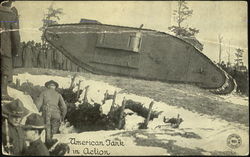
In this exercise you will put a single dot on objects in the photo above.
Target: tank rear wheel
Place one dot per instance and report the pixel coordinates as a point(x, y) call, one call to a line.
point(230, 85)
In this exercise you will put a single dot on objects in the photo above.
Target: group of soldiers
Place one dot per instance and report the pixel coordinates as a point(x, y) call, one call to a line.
point(37, 55)
point(15, 136)
point(18, 139)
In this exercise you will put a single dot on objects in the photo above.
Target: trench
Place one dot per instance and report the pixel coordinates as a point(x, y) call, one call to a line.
point(85, 116)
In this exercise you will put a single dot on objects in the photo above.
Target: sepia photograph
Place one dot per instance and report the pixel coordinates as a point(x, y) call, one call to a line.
point(124, 78)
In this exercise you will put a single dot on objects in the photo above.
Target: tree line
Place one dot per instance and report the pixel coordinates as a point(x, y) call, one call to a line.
point(240, 75)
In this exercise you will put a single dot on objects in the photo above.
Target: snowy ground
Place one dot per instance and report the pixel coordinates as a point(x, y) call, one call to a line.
point(199, 134)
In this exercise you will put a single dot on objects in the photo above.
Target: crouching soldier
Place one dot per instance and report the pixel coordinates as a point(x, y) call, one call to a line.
point(51, 103)
point(12, 133)
point(33, 127)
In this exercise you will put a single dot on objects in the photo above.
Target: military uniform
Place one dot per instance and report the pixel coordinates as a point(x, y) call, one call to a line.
point(74, 67)
point(9, 44)
point(58, 60)
point(28, 56)
point(49, 57)
point(15, 133)
point(36, 147)
point(35, 55)
point(56, 104)
point(68, 63)
point(64, 65)
point(41, 58)
point(18, 60)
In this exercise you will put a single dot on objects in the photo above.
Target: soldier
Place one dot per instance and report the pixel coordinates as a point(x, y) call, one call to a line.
point(12, 134)
point(18, 63)
point(58, 60)
point(50, 55)
point(64, 64)
point(42, 57)
point(74, 67)
point(27, 55)
point(9, 44)
point(68, 63)
point(35, 55)
point(57, 107)
point(33, 127)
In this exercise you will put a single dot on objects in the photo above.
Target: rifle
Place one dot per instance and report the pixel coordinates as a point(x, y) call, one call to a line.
point(8, 146)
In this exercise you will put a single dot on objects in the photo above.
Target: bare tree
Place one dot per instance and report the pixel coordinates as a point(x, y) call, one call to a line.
point(220, 37)
point(51, 17)
point(182, 13)
point(239, 56)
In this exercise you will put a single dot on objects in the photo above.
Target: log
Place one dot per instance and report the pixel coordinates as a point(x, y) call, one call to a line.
point(121, 113)
point(78, 89)
point(113, 102)
point(72, 82)
point(85, 100)
point(149, 114)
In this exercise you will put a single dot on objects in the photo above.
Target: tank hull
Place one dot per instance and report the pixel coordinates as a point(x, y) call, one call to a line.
point(136, 53)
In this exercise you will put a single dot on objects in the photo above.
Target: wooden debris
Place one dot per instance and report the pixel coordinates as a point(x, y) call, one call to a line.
point(85, 99)
point(78, 89)
point(121, 113)
point(149, 113)
point(113, 102)
point(72, 82)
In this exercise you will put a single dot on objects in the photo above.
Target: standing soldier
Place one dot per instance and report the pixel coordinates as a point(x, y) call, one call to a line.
point(50, 57)
point(27, 55)
point(9, 44)
point(12, 134)
point(54, 101)
point(64, 65)
point(18, 61)
point(68, 63)
point(35, 55)
point(58, 60)
point(41, 57)
point(33, 127)
point(18, 58)
point(74, 67)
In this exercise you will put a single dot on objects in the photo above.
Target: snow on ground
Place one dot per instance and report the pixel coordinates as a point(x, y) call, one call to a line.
point(213, 131)
point(99, 140)
point(236, 99)
point(132, 121)
point(28, 104)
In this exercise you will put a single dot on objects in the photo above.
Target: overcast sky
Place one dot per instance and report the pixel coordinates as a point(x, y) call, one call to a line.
point(228, 18)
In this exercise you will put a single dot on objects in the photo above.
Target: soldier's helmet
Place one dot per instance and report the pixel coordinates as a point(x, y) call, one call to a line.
point(34, 121)
point(51, 82)
point(15, 108)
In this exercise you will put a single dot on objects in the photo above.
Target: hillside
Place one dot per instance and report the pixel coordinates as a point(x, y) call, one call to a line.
point(208, 119)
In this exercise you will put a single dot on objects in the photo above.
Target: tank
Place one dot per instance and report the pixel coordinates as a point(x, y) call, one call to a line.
point(137, 53)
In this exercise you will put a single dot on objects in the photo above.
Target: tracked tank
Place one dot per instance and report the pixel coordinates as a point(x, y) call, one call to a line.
point(137, 53)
